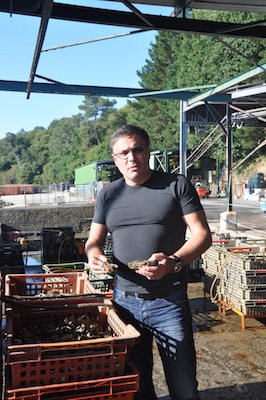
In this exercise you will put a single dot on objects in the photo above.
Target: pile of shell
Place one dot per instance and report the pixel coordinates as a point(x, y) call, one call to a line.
point(64, 329)
point(52, 293)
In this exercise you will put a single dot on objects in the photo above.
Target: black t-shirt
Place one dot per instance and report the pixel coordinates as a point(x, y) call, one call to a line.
point(143, 220)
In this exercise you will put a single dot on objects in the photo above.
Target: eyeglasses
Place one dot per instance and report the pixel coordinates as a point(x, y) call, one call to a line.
point(135, 150)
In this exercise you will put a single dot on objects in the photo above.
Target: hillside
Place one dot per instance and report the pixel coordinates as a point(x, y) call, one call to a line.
point(240, 178)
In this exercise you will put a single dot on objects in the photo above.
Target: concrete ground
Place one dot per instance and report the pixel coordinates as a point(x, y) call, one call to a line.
point(231, 361)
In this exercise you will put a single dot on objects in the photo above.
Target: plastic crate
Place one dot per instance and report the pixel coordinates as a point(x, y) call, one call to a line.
point(246, 307)
point(14, 269)
point(11, 254)
point(41, 287)
point(101, 282)
point(60, 362)
point(245, 279)
point(227, 288)
point(80, 246)
point(112, 388)
point(64, 267)
point(195, 265)
point(58, 244)
point(247, 262)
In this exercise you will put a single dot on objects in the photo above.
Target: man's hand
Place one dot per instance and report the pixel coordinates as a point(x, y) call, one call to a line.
point(163, 266)
point(97, 263)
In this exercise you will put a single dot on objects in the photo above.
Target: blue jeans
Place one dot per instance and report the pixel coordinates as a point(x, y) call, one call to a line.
point(169, 321)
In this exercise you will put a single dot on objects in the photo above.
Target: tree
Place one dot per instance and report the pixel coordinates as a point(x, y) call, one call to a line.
point(186, 61)
point(175, 61)
point(95, 107)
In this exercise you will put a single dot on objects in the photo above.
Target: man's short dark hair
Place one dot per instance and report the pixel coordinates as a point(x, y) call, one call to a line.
point(129, 130)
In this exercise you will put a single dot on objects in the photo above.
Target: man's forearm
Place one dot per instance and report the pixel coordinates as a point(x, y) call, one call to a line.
point(93, 248)
point(194, 247)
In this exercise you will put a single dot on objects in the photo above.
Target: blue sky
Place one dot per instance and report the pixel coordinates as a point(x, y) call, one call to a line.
point(112, 62)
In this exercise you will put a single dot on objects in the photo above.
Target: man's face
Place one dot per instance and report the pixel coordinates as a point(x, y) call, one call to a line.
point(131, 156)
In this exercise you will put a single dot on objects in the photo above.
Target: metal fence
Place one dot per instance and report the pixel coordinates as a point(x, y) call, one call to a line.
point(54, 194)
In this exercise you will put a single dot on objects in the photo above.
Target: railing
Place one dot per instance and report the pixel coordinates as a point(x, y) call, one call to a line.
point(54, 194)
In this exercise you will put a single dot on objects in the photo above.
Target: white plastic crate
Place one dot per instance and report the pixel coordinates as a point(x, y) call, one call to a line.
point(244, 279)
point(252, 307)
point(195, 265)
point(108, 247)
point(248, 262)
point(226, 288)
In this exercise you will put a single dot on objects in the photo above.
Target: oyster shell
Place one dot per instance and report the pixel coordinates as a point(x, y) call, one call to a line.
point(110, 267)
point(137, 264)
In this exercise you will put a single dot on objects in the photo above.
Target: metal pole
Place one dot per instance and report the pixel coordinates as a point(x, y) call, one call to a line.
point(183, 139)
point(25, 196)
point(217, 175)
point(228, 219)
point(229, 155)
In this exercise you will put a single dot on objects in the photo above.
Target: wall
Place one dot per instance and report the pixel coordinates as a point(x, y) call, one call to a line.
point(35, 218)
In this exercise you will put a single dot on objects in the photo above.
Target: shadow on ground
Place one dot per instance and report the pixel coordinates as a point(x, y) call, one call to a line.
point(247, 391)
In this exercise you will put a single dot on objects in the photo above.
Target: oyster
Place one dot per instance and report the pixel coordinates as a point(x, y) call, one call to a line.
point(110, 267)
point(137, 264)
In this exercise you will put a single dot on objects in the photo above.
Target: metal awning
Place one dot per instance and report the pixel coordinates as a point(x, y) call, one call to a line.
point(133, 18)
point(178, 22)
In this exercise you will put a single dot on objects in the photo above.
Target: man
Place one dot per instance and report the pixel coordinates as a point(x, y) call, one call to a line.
point(147, 213)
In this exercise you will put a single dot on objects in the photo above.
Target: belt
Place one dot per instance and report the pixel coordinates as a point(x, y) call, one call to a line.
point(144, 296)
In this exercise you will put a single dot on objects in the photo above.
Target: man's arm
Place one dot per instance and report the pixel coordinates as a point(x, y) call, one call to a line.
point(200, 238)
point(199, 241)
point(94, 247)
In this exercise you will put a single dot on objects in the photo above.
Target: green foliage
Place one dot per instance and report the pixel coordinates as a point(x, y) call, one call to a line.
point(175, 61)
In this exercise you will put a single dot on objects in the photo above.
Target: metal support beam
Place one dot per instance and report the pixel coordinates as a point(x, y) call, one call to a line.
point(92, 15)
point(62, 88)
point(229, 158)
point(213, 113)
point(137, 13)
point(250, 154)
point(183, 140)
point(228, 219)
point(184, 94)
point(79, 90)
point(46, 12)
point(228, 84)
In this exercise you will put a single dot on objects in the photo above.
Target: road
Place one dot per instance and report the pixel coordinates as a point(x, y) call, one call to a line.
point(251, 220)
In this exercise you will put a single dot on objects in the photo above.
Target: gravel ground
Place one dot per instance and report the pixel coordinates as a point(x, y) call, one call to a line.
point(231, 360)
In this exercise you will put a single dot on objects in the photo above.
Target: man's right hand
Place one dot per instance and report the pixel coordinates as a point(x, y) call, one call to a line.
point(96, 263)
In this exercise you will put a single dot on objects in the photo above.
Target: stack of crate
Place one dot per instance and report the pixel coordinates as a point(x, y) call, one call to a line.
point(244, 283)
point(212, 262)
point(11, 259)
point(238, 268)
point(95, 369)
point(80, 246)
point(108, 247)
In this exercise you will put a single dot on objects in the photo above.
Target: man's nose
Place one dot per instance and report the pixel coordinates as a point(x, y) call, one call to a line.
point(131, 154)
